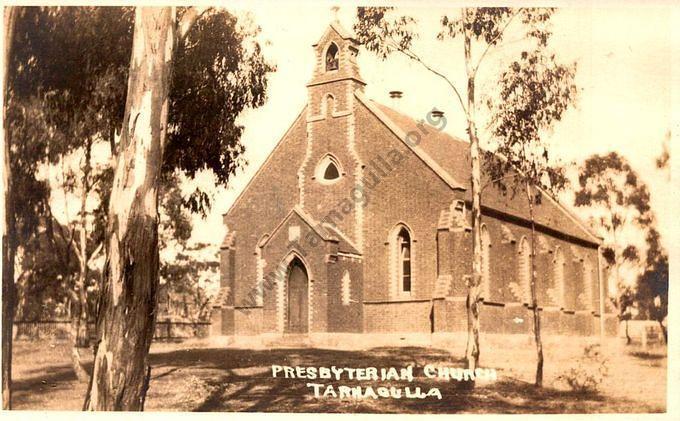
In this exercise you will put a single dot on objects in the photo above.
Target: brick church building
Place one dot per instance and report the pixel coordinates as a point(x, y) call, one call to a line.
point(357, 225)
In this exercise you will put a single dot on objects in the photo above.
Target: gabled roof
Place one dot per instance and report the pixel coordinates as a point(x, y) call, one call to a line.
point(266, 161)
point(449, 157)
point(401, 131)
point(339, 29)
point(325, 231)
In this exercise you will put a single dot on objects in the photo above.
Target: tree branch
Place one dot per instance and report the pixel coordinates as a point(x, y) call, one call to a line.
point(69, 240)
point(413, 56)
point(96, 252)
point(487, 184)
point(498, 35)
point(188, 20)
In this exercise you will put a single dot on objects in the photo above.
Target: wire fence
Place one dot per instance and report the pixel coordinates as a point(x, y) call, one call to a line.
point(166, 330)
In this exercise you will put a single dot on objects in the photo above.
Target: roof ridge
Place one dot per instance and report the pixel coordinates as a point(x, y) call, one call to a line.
point(399, 132)
point(336, 26)
point(340, 233)
point(266, 160)
point(563, 208)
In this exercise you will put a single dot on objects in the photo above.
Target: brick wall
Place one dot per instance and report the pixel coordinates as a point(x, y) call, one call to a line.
point(261, 208)
point(397, 317)
point(248, 321)
point(313, 251)
point(399, 187)
point(512, 314)
point(345, 316)
point(408, 192)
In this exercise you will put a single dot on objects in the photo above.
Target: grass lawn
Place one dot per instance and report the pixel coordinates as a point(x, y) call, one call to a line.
point(193, 377)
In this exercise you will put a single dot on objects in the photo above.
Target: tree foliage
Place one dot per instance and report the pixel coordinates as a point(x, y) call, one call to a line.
point(617, 198)
point(28, 131)
point(619, 204)
point(74, 61)
point(219, 72)
point(533, 93)
point(383, 34)
point(67, 91)
point(652, 285)
point(186, 274)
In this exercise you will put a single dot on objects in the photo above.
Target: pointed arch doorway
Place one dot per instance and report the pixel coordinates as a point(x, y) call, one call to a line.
point(297, 302)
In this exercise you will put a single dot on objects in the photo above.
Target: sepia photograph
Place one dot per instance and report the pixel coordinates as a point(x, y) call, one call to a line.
point(402, 207)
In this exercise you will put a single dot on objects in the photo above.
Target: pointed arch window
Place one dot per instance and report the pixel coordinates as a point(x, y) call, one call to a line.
point(331, 172)
point(332, 57)
point(328, 170)
point(558, 279)
point(404, 254)
point(401, 261)
point(524, 269)
point(588, 296)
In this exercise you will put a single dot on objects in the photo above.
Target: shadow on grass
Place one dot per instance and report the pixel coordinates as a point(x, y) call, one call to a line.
point(258, 391)
point(240, 380)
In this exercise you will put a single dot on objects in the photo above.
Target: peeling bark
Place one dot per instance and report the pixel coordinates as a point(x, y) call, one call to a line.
point(474, 284)
point(127, 302)
point(534, 301)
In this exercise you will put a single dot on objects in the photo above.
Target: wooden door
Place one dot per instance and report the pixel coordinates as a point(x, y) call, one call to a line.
point(297, 298)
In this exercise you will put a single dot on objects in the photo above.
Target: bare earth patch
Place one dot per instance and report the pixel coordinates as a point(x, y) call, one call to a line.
point(188, 377)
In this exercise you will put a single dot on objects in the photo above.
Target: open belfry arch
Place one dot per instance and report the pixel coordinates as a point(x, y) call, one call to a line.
point(349, 232)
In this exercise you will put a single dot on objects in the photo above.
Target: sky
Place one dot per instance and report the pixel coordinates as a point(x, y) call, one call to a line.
point(624, 78)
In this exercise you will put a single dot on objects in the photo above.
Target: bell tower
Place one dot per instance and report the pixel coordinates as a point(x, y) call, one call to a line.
point(332, 167)
point(336, 70)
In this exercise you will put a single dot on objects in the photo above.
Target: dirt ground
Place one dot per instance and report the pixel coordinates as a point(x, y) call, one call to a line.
point(194, 377)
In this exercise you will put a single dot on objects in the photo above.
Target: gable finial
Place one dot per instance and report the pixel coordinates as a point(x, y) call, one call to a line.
point(335, 10)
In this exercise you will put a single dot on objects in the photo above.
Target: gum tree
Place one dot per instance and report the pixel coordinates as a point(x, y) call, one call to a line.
point(618, 203)
point(480, 31)
point(534, 93)
point(152, 113)
point(166, 42)
point(652, 286)
point(8, 233)
point(63, 100)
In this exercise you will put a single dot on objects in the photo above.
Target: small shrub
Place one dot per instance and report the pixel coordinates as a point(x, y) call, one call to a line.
point(587, 372)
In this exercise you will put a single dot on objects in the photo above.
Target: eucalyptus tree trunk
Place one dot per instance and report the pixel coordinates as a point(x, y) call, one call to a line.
point(79, 318)
point(474, 285)
point(617, 274)
point(534, 300)
point(8, 237)
point(127, 302)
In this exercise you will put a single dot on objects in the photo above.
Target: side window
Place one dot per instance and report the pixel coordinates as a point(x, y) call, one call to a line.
point(588, 301)
point(558, 279)
point(401, 261)
point(524, 269)
point(404, 249)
